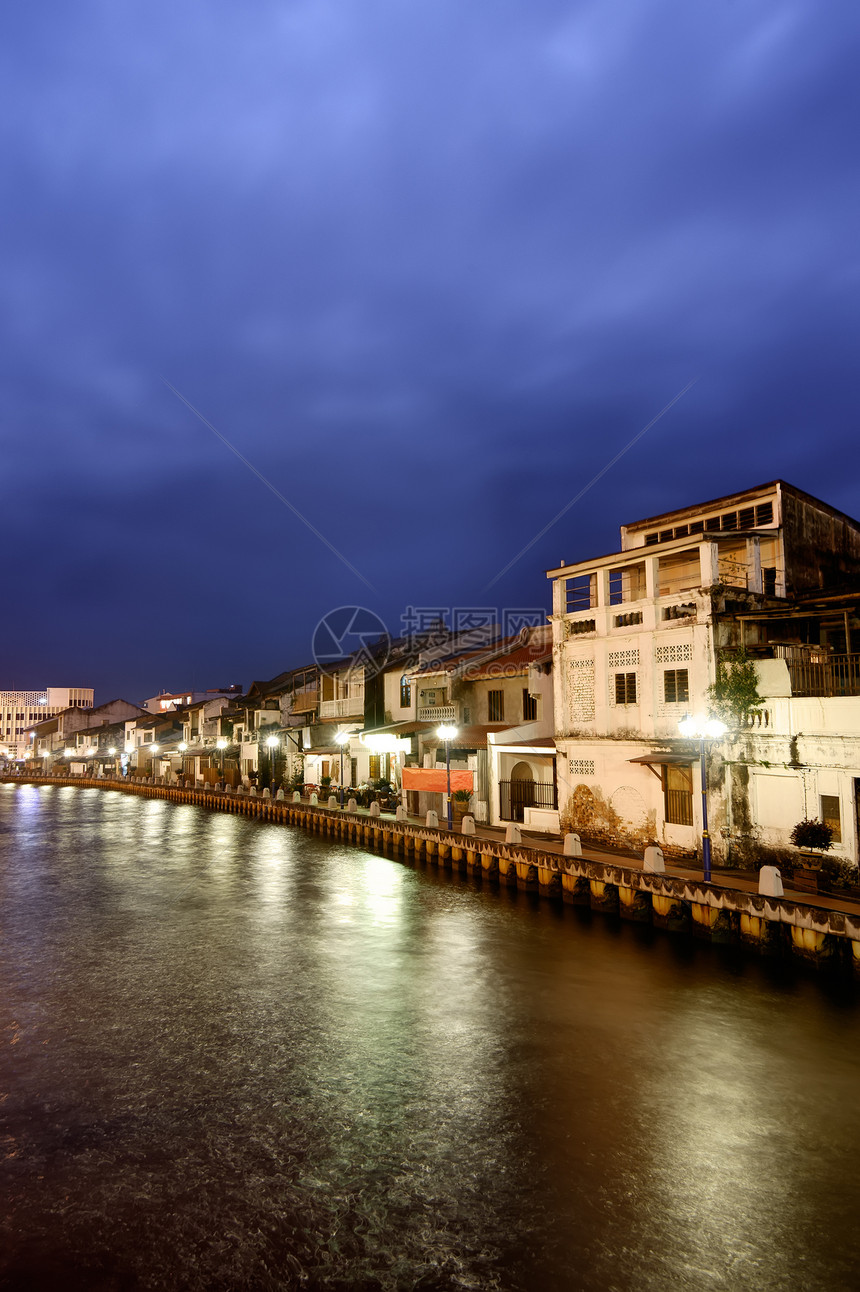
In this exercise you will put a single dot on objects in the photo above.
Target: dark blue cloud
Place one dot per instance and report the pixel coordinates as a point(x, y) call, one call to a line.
point(429, 266)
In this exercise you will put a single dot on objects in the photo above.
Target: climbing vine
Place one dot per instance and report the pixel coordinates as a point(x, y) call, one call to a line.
point(735, 697)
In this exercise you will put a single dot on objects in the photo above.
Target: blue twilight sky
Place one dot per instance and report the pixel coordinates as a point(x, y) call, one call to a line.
point(428, 265)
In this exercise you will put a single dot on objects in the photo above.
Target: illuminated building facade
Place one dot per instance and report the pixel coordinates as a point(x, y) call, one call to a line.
point(21, 710)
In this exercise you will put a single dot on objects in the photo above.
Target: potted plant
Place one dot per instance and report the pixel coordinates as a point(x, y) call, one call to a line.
point(812, 837)
point(461, 799)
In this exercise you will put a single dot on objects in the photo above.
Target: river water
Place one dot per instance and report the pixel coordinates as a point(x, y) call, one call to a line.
point(238, 1057)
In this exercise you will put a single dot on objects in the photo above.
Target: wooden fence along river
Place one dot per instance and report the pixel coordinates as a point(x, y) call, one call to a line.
point(774, 925)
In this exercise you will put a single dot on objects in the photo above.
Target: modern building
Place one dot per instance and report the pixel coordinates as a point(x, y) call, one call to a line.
point(21, 710)
point(638, 636)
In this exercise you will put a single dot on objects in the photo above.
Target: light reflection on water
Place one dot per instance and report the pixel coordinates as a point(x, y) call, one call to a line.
point(235, 1056)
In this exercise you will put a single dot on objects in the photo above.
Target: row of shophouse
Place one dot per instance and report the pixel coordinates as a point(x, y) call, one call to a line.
point(574, 724)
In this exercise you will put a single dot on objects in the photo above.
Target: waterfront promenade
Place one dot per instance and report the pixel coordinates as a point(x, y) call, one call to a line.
point(820, 928)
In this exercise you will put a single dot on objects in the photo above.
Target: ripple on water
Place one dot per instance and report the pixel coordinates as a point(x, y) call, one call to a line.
point(239, 1057)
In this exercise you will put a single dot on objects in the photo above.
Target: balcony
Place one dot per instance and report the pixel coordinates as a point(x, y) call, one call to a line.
point(817, 674)
point(438, 713)
point(304, 701)
point(350, 707)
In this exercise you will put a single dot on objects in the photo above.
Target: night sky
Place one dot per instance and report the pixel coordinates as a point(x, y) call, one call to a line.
point(428, 265)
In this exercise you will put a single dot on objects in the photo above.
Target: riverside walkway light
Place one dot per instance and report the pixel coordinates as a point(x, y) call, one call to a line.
point(272, 743)
point(702, 729)
point(342, 738)
point(448, 733)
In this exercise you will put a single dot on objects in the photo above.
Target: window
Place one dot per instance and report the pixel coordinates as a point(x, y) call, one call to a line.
point(530, 706)
point(676, 685)
point(678, 794)
point(625, 688)
point(830, 815)
point(405, 693)
point(496, 706)
point(579, 592)
point(373, 767)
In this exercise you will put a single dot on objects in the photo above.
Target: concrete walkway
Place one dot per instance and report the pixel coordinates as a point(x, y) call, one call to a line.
point(733, 880)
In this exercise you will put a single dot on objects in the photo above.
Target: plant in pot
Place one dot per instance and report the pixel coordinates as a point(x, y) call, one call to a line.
point(461, 799)
point(812, 837)
point(325, 782)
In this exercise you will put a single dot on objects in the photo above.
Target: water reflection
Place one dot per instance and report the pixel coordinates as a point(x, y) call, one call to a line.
point(236, 1056)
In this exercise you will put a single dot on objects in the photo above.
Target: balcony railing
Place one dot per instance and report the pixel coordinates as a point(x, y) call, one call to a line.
point(817, 674)
point(516, 796)
point(305, 701)
point(350, 707)
point(438, 713)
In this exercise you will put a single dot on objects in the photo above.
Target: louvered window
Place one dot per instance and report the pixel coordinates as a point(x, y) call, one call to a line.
point(676, 685)
point(625, 688)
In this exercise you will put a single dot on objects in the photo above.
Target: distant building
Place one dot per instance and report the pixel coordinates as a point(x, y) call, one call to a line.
point(21, 710)
point(166, 701)
point(81, 731)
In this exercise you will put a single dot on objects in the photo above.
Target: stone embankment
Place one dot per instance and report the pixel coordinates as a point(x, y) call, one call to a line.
point(773, 925)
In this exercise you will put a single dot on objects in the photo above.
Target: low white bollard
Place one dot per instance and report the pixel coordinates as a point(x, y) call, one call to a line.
point(653, 861)
point(374, 808)
point(280, 796)
point(572, 845)
point(253, 791)
point(400, 814)
point(297, 798)
point(513, 834)
point(467, 825)
point(315, 798)
point(352, 805)
point(432, 819)
point(770, 882)
point(267, 793)
point(332, 800)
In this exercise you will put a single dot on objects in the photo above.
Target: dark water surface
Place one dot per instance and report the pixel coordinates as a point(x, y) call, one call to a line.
point(234, 1056)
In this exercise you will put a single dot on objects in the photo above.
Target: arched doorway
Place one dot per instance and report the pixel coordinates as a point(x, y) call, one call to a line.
point(521, 789)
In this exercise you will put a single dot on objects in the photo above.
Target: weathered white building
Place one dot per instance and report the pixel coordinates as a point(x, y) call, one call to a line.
point(637, 635)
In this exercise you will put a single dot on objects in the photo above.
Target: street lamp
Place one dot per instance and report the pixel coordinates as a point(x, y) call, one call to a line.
point(702, 729)
point(272, 744)
point(342, 737)
point(448, 733)
point(222, 745)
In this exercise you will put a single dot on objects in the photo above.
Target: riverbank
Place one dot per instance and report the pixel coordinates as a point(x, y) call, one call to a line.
point(819, 928)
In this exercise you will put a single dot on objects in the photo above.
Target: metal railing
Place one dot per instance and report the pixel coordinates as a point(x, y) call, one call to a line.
point(678, 807)
point(516, 796)
point(816, 674)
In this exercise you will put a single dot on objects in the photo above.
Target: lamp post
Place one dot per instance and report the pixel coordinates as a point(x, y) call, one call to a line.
point(342, 738)
point(272, 744)
point(222, 745)
point(703, 728)
point(448, 733)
